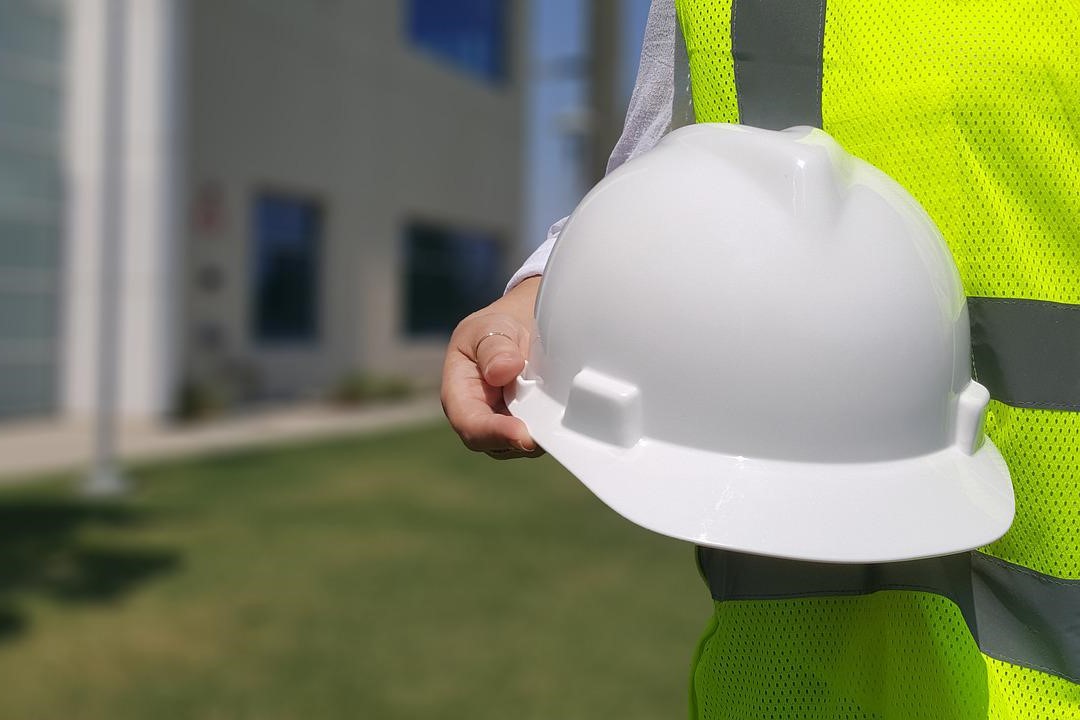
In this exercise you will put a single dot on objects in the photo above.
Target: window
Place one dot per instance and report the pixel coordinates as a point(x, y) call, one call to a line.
point(285, 269)
point(32, 203)
point(449, 274)
point(470, 34)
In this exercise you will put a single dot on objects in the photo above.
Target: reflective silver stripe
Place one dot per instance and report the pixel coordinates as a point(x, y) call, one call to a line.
point(777, 48)
point(740, 576)
point(1027, 618)
point(1027, 352)
point(1014, 613)
point(682, 100)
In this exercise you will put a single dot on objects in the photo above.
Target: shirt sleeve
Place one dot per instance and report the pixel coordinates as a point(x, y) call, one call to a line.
point(648, 116)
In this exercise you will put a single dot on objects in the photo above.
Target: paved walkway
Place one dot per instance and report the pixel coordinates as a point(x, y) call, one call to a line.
point(34, 449)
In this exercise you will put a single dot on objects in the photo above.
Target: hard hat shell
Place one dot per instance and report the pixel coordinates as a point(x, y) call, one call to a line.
point(752, 340)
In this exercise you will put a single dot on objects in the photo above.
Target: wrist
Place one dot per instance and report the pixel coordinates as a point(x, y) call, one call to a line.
point(519, 301)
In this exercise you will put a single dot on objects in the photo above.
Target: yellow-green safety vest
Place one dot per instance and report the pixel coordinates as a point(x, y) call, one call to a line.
point(975, 108)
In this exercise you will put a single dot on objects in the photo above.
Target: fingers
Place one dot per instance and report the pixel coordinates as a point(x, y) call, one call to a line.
point(486, 354)
point(486, 430)
point(483, 428)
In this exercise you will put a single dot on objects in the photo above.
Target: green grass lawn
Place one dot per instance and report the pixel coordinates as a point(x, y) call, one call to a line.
point(385, 577)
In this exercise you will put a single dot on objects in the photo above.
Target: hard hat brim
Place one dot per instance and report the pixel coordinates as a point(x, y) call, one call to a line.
point(926, 506)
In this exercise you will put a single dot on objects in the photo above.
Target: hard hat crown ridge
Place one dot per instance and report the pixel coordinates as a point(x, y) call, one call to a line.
point(749, 323)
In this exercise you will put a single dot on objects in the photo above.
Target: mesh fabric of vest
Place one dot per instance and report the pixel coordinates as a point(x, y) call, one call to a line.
point(975, 109)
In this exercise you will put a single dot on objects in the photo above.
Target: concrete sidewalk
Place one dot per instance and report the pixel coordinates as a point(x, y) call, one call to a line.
point(30, 450)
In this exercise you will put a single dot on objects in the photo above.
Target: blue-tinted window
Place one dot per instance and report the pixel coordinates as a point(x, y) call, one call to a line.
point(286, 269)
point(32, 203)
point(449, 274)
point(468, 33)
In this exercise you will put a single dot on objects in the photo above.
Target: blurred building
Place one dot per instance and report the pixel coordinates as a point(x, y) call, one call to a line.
point(31, 205)
point(295, 191)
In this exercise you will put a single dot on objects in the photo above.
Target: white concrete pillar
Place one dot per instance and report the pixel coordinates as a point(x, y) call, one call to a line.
point(84, 113)
point(151, 110)
point(153, 207)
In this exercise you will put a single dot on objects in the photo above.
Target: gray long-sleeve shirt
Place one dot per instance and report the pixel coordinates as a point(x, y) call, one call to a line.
point(657, 105)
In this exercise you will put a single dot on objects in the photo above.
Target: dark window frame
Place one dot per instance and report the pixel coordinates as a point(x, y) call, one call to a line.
point(312, 334)
point(459, 302)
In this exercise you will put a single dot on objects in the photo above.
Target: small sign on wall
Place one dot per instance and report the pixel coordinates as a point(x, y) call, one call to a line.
point(208, 211)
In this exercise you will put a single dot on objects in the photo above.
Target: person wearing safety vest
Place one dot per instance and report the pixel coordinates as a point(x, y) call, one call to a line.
point(974, 108)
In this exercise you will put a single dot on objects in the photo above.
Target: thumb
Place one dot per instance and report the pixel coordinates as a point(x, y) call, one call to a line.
point(500, 350)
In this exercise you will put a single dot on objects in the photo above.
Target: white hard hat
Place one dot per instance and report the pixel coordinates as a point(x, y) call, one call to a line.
point(752, 340)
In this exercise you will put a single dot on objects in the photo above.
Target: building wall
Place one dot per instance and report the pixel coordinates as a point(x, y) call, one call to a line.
point(328, 100)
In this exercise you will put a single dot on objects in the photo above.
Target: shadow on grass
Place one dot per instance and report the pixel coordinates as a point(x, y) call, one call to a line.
point(44, 551)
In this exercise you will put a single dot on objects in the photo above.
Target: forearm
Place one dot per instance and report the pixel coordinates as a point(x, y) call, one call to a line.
point(518, 302)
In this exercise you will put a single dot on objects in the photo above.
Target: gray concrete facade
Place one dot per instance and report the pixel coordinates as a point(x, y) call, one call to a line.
point(330, 101)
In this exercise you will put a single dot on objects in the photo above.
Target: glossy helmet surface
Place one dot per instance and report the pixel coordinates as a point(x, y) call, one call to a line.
point(753, 340)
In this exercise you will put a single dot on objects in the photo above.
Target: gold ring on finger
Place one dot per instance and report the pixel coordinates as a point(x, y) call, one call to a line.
point(493, 333)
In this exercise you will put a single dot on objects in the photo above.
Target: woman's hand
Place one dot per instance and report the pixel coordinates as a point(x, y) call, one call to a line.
point(487, 352)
